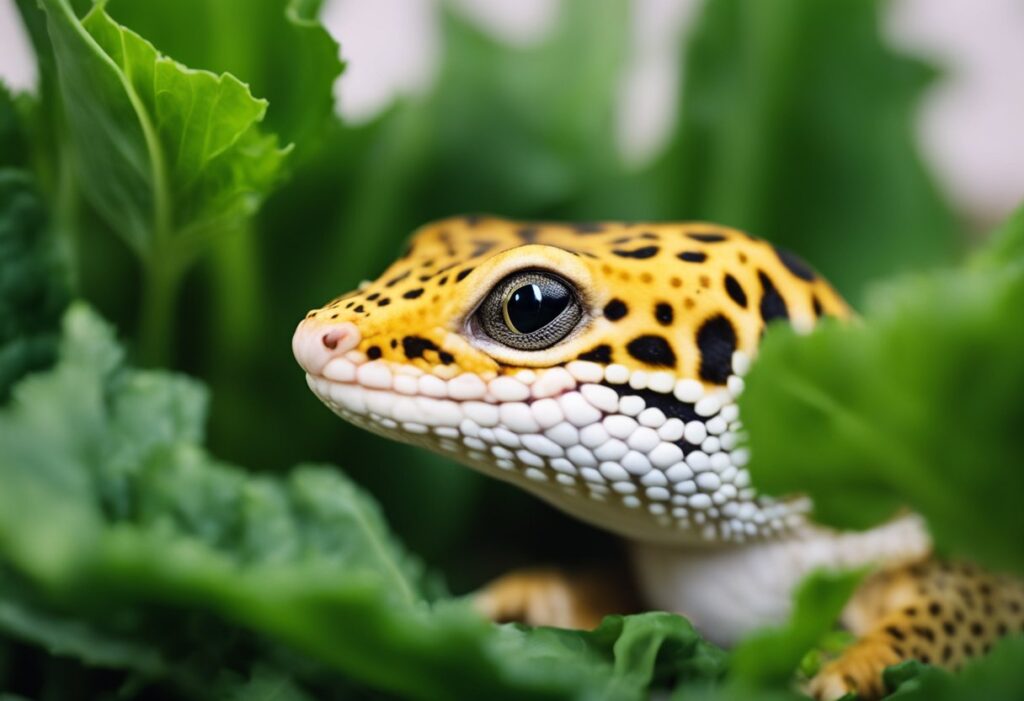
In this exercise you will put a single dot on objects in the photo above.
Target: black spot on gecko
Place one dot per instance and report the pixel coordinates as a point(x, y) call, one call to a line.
point(371, 297)
point(373, 352)
point(663, 313)
point(667, 403)
point(735, 290)
point(598, 354)
point(895, 632)
point(641, 253)
point(445, 357)
point(383, 302)
point(397, 279)
point(816, 304)
point(359, 309)
point(653, 350)
point(707, 238)
point(716, 340)
point(795, 264)
point(413, 294)
point(414, 346)
point(925, 632)
point(692, 256)
point(772, 305)
point(462, 274)
point(615, 310)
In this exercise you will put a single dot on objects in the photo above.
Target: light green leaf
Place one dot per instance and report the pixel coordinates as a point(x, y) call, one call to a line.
point(284, 54)
point(769, 658)
point(918, 406)
point(167, 155)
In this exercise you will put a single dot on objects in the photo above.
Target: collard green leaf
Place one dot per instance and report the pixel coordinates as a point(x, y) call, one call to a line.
point(25, 616)
point(919, 406)
point(112, 507)
point(167, 154)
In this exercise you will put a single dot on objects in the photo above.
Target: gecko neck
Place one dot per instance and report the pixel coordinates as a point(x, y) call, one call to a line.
point(727, 591)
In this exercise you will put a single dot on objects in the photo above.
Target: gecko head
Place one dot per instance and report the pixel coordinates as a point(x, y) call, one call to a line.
point(596, 365)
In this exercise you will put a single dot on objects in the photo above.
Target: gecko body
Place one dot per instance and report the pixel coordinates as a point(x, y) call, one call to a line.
point(598, 366)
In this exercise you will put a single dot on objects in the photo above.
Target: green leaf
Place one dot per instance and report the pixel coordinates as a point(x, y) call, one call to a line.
point(13, 146)
point(769, 658)
point(284, 54)
point(25, 616)
point(919, 406)
point(167, 155)
point(33, 292)
point(997, 675)
point(112, 510)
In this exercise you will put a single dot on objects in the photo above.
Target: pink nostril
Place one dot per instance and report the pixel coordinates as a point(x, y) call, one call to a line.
point(339, 338)
point(331, 338)
point(315, 344)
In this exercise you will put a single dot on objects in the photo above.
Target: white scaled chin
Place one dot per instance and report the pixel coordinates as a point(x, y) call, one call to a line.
point(646, 455)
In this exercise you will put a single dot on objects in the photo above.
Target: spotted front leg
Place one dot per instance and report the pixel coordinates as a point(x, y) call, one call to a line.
point(939, 613)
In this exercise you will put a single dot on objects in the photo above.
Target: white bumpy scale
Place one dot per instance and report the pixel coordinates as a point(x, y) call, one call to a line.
point(675, 469)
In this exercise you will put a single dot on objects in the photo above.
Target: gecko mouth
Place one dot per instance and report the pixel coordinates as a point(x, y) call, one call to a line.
point(643, 454)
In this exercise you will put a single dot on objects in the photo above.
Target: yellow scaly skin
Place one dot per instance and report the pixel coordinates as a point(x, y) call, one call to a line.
point(622, 412)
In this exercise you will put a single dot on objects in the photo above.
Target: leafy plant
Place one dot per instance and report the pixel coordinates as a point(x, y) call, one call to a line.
point(166, 155)
point(134, 563)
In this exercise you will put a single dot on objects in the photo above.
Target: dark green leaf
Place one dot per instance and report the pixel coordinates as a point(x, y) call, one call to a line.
point(33, 290)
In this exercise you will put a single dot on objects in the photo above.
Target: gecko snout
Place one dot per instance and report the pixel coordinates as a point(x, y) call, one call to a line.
point(315, 344)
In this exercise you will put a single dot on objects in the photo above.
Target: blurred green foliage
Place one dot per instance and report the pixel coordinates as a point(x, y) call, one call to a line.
point(31, 278)
point(133, 563)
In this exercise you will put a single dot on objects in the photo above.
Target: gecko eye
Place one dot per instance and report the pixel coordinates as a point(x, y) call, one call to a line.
point(530, 310)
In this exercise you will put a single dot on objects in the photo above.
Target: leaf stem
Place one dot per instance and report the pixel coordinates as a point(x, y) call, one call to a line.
point(161, 279)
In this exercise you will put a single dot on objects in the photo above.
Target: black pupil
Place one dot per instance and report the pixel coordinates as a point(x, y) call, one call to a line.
point(530, 308)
